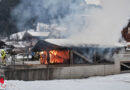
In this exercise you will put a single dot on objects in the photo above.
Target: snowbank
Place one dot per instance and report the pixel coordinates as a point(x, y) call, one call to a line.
point(113, 82)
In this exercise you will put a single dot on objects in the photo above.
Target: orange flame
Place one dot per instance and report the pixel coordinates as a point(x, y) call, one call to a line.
point(56, 56)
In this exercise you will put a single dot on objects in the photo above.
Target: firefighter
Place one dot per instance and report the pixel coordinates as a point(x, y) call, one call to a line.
point(43, 57)
point(3, 56)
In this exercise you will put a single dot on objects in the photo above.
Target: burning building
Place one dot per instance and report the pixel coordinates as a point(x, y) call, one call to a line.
point(50, 53)
point(55, 54)
point(69, 62)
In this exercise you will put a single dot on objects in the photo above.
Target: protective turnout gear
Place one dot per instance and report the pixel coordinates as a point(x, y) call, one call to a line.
point(43, 57)
point(3, 56)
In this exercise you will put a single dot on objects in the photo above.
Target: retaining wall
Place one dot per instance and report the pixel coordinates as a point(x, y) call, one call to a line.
point(58, 72)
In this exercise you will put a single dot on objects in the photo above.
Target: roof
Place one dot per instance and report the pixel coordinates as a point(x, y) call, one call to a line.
point(28, 34)
point(51, 44)
point(80, 43)
point(42, 45)
point(2, 44)
point(38, 34)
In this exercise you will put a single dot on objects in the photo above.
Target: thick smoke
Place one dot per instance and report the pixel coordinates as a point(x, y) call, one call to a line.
point(66, 13)
point(84, 21)
point(105, 24)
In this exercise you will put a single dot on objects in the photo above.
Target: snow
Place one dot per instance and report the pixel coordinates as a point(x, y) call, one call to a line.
point(113, 82)
point(18, 56)
point(32, 32)
point(18, 35)
point(16, 44)
point(38, 34)
point(72, 42)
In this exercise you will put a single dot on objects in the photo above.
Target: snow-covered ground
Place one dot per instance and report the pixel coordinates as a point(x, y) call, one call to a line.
point(113, 82)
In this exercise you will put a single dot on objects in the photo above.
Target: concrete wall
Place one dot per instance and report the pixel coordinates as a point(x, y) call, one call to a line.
point(75, 72)
point(39, 74)
point(68, 72)
point(124, 57)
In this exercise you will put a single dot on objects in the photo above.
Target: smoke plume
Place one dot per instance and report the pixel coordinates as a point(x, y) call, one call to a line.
point(61, 12)
point(85, 21)
point(106, 23)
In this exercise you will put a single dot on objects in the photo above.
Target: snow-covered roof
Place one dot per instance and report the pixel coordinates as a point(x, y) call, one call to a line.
point(70, 42)
point(18, 44)
point(43, 34)
point(20, 35)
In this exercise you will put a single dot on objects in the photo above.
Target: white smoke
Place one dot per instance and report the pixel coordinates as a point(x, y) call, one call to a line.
point(105, 24)
point(96, 2)
point(88, 22)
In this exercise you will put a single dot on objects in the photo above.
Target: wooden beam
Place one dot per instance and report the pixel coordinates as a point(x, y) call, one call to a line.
point(125, 65)
point(71, 57)
point(80, 55)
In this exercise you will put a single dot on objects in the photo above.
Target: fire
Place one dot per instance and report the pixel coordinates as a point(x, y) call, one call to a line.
point(56, 56)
